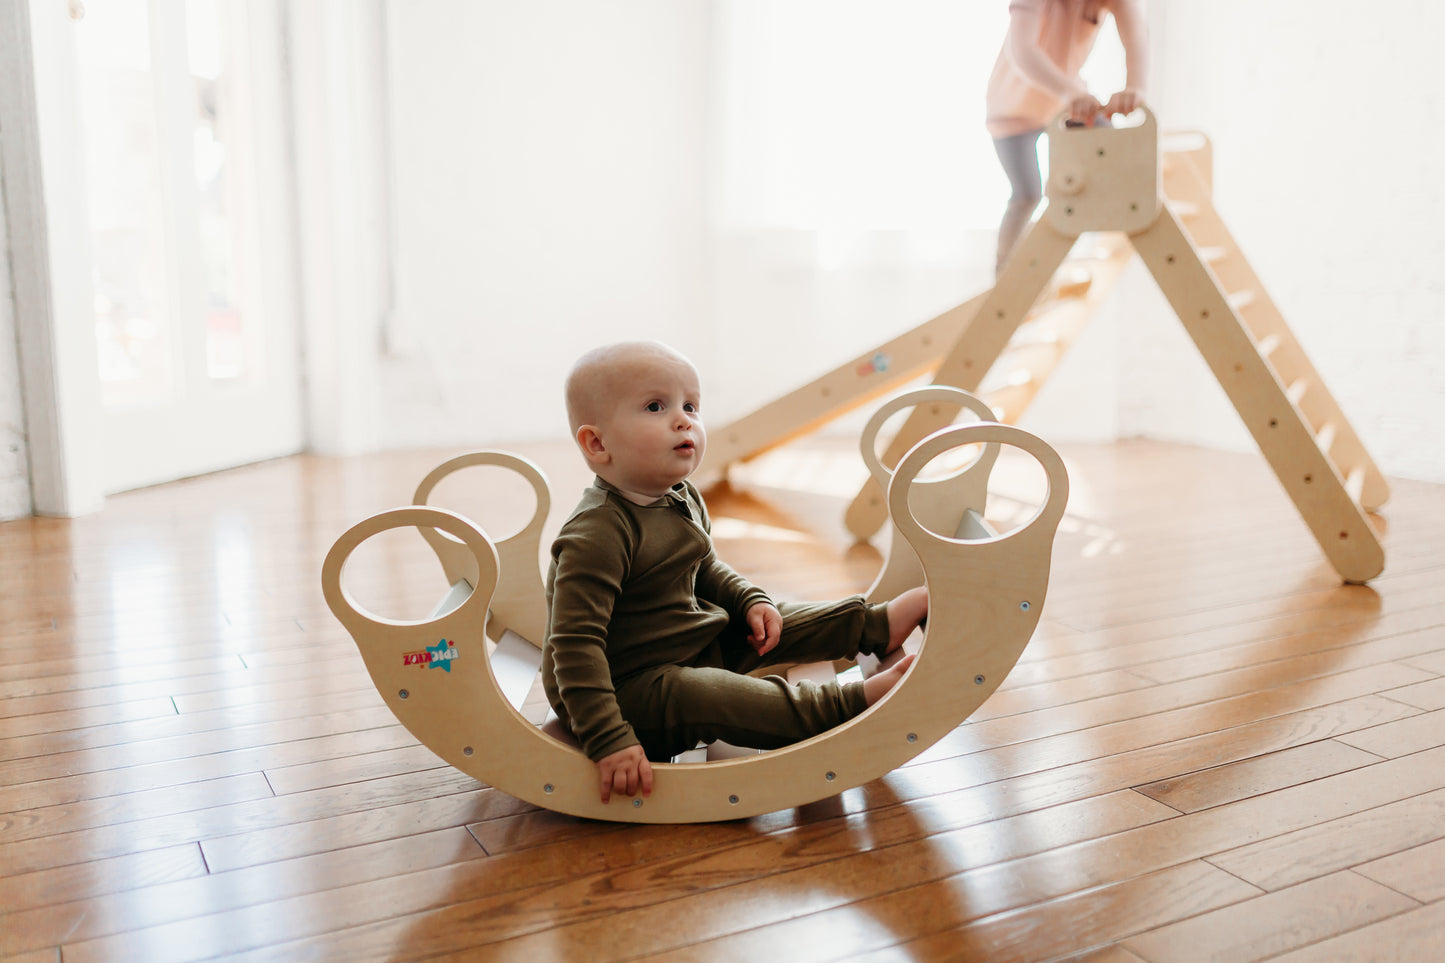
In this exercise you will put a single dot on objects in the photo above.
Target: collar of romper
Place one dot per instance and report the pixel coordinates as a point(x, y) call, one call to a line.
point(676, 496)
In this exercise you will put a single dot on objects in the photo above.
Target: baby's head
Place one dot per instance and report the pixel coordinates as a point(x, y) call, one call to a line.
point(634, 409)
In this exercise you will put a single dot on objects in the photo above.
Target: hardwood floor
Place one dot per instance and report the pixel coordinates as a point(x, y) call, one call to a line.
point(1211, 750)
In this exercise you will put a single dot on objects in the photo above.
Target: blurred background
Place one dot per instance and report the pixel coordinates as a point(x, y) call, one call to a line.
point(238, 229)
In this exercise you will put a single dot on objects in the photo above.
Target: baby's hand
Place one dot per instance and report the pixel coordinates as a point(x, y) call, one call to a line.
point(766, 624)
point(625, 771)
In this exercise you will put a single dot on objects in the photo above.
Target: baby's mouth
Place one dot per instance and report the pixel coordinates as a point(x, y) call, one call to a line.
point(685, 446)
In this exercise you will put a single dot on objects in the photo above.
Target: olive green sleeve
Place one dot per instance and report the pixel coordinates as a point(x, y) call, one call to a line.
point(592, 555)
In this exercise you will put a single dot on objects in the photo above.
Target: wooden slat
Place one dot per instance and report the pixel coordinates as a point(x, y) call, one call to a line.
point(1340, 843)
point(1429, 694)
point(1343, 644)
point(293, 837)
point(1275, 923)
point(1055, 737)
point(1057, 926)
point(1418, 934)
point(100, 877)
point(102, 839)
point(1418, 872)
point(1414, 734)
point(111, 812)
point(1258, 774)
point(173, 761)
point(153, 902)
point(32, 719)
point(140, 732)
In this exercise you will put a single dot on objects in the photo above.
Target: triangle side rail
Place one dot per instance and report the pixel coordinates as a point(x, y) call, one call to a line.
point(1038, 255)
point(1276, 339)
point(1287, 441)
point(1054, 325)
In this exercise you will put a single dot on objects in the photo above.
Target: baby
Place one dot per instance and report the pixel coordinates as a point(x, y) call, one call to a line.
point(650, 636)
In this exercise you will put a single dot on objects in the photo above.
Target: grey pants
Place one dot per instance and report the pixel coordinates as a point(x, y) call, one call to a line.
point(1019, 156)
point(672, 708)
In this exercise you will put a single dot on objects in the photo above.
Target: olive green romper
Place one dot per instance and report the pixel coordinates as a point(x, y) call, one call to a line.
point(647, 640)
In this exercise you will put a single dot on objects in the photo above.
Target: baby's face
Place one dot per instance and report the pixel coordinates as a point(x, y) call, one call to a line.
point(654, 432)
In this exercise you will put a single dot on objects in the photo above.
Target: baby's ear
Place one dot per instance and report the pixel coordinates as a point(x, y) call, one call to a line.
point(591, 444)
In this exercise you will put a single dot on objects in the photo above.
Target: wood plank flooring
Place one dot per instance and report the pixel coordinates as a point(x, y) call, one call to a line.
point(1211, 750)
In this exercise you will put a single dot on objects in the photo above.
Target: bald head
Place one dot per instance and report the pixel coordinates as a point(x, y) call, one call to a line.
point(598, 378)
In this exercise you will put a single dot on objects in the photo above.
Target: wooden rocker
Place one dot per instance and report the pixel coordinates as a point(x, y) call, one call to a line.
point(436, 676)
point(953, 503)
point(517, 613)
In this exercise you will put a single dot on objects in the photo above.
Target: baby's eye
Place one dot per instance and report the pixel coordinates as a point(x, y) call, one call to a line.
point(654, 406)
point(690, 408)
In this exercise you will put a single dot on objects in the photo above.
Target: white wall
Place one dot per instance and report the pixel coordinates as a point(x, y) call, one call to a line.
point(1326, 124)
point(548, 162)
point(853, 191)
point(14, 466)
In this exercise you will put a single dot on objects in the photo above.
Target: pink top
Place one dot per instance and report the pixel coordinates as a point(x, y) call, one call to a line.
point(1018, 104)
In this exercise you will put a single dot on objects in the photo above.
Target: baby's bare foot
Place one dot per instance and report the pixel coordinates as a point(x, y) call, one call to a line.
point(876, 687)
point(905, 613)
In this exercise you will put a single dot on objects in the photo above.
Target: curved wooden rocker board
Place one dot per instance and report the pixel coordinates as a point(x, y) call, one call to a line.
point(519, 602)
point(986, 595)
point(953, 503)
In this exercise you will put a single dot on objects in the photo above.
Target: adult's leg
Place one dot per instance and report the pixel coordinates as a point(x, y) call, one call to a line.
point(1019, 156)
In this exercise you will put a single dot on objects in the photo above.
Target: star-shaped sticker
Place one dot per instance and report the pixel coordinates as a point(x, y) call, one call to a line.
point(441, 656)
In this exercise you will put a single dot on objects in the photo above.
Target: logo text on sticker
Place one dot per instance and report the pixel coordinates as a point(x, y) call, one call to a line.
point(437, 656)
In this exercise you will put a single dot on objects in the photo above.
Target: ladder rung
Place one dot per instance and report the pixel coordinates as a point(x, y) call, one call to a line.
point(1297, 389)
point(1326, 437)
point(1016, 378)
point(1355, 484)
point(1240, 299)
point(1042, 339)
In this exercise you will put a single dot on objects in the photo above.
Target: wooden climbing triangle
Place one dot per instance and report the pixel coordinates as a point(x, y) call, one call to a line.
point(1112, 193)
